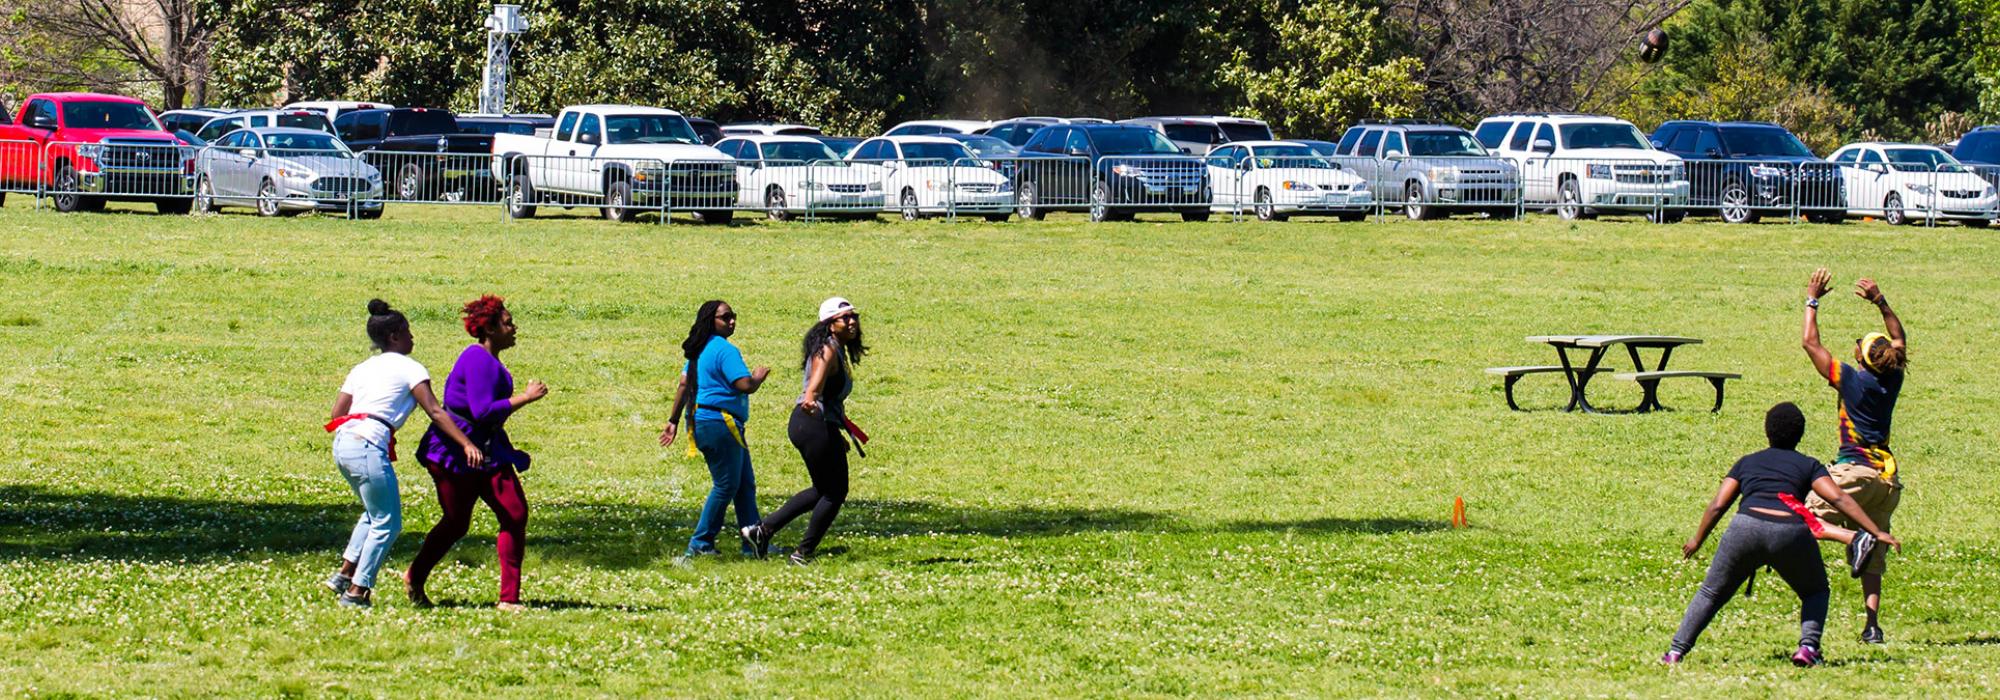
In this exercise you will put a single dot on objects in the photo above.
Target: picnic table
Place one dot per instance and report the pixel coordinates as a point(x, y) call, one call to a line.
point(1578, 375)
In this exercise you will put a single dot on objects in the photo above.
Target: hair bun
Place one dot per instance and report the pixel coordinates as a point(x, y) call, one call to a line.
point(377, 307)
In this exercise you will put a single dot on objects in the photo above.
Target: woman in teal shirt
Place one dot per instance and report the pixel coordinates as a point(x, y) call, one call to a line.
point(720, 384)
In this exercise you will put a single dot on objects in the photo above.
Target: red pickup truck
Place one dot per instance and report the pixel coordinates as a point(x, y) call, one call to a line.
point(84, 149)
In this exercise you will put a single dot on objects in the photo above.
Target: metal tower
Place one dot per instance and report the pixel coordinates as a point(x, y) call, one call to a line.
point(501, 26)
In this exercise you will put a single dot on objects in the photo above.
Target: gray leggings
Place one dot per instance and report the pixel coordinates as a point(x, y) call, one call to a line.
point(1750, 543)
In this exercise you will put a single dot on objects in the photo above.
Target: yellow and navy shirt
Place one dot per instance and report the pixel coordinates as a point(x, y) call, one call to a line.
point(1867, 402)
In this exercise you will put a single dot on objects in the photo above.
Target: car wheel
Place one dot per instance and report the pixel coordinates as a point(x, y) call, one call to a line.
point(1100, 202)
point(908, 203)
point(1266, 211)
point(1892, 210)
point(1736, 204)
point(521, 198)
point(774, 204)
point(1025, 203)
point(267, 199)
point(1413, 203)
point(617, 201)
point(410, 183)
point(67, 198)
point(1569, 198)
point(204, 196)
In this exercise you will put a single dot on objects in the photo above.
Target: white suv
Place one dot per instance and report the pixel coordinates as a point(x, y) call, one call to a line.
point(1585, 164)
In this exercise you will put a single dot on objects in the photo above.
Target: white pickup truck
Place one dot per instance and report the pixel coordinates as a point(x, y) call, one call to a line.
point(621, 158)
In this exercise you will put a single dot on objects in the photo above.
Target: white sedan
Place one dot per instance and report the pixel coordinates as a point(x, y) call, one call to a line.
point(928, 175)
point(1900, 182)
point(1278, 179)
point(789, 175)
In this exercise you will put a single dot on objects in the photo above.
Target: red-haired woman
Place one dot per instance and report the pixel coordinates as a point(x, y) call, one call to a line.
point(479, 396)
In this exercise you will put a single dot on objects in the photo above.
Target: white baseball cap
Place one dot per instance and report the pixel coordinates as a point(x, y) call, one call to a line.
point(834, 306)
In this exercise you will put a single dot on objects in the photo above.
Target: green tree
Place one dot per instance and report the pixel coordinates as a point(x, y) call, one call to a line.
point(1324, 70)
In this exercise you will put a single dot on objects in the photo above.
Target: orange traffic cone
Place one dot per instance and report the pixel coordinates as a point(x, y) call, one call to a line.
point(1458, 513)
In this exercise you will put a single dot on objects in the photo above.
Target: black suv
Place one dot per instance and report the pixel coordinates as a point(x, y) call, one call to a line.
point(1111, 170)
point(1743, 170)
point(1980, 149)
point(425, 150)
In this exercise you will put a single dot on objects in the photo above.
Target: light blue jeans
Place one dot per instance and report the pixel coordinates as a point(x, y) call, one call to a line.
point(373, 478)
point(735, 482)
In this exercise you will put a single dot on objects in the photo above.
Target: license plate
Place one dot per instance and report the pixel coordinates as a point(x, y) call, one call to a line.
point(1336, 198)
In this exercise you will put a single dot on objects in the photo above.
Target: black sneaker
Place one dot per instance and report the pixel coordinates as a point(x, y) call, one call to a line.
point(756, 539)
point(1858, 551)
point(1872, 634)
point(800, 558)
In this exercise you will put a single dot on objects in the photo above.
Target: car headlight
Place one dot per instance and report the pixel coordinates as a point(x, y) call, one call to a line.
point(374, 178)
point(1004, 187)
point(1297, 186)
point(1766, 171)
point(1598, 171)
point(1922, 189)
point(816, 186)
point(1680, 171)
point(1447, 175)
point(874, 187)
point(1127, 170)
point(90, 150)
point(1986, 191)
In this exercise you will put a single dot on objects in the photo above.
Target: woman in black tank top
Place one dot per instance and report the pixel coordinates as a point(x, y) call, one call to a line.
point(819, 429)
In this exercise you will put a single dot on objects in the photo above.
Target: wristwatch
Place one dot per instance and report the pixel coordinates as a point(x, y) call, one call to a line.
point(1812, 303)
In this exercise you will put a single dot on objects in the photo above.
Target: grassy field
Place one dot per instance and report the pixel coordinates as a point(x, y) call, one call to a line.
point(1121, 460)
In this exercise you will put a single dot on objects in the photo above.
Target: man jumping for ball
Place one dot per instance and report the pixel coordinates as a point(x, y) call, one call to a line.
point(1865, 469)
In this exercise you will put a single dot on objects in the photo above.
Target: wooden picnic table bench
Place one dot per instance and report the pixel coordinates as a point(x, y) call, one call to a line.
point(1579, 375)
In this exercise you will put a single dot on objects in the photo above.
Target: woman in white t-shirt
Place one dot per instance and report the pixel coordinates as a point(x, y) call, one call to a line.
point(377, 397)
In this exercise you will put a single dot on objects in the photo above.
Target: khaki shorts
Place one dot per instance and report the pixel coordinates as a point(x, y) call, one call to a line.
point(1876, 496)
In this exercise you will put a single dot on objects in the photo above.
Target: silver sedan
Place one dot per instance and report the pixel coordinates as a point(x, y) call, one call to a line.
point(283, 171)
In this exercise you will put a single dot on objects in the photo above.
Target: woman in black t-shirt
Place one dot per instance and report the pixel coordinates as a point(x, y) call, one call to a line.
point(1765, 532)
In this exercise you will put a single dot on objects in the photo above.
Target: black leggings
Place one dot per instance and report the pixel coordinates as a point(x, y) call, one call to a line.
point(825, 453)
point(1749, 543)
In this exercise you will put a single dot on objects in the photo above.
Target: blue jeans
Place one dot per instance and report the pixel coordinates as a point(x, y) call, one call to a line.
point(735, 482)
point(373, 478)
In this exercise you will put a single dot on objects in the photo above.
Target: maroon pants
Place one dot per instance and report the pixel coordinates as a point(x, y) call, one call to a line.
point(457, 495)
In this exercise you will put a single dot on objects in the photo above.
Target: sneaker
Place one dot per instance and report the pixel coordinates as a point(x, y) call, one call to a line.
point(1858, 552)
point(411, 591)
point(757, 540)
point(338, 582)
point(800, 558)
point(1671, 658)
point(1806, 657)
point(349, 600)
point(1872, 634)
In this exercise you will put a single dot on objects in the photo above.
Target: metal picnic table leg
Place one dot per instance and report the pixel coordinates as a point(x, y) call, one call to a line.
point(1579, 381)
point(1650, 400)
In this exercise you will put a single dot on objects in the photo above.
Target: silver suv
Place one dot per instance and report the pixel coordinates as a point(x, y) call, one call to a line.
point(1195, 135)
point(1432, 169)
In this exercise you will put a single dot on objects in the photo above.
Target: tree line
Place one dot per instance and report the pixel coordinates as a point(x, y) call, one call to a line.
point(1830, 69)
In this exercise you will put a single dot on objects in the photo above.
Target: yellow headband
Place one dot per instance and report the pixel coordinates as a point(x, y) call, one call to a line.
point(1868, 341)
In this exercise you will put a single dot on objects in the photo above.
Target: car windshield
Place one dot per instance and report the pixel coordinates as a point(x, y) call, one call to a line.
point(473, 126)
point(1444, 143)
point(1919, 160)
point(1198, 133)
point(797, 151)
point(320, 144)
point(1125, 142)
point(1246, 132)
point(309, 120)
point(947, 152)
point(1291, 157)
point(842, 147)
point(1323, 148)
point(987, 146)
point(1764, 141)
point(1982, 146)
point(1602, 135)
point(418, 122)
point(648, 128)
point(108, 115)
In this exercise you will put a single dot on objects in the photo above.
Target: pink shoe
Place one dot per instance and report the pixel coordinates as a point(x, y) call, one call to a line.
point(1807, 657)
point(1672, 658)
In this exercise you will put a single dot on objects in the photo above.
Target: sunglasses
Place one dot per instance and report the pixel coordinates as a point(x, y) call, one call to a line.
point(731, 316)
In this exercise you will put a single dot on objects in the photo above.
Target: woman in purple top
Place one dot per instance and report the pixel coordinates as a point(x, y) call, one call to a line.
point(479, 397)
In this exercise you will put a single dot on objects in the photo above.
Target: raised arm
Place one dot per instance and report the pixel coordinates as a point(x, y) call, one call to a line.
point(1724, 495)
point(1821, 359)
point(1844, 503)
point(1866, 289)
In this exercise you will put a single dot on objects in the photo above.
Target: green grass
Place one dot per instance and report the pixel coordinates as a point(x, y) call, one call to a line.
point(1152, 459)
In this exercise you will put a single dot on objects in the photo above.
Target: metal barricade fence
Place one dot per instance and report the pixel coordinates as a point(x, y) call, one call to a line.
point(1040, 185)
point(82, 176)
point(434, 177)
point(1744, 191)
point(1583, 188)
point(618, 189)
point(978, 187)
point(282, 181)
point(21, 169)
point(707, 189)
point(1904, 193)
point(1276, 188)
point(1429, 187)
point(1123, 186)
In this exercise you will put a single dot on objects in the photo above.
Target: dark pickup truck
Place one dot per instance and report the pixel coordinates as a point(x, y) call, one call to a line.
point(423, 152)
